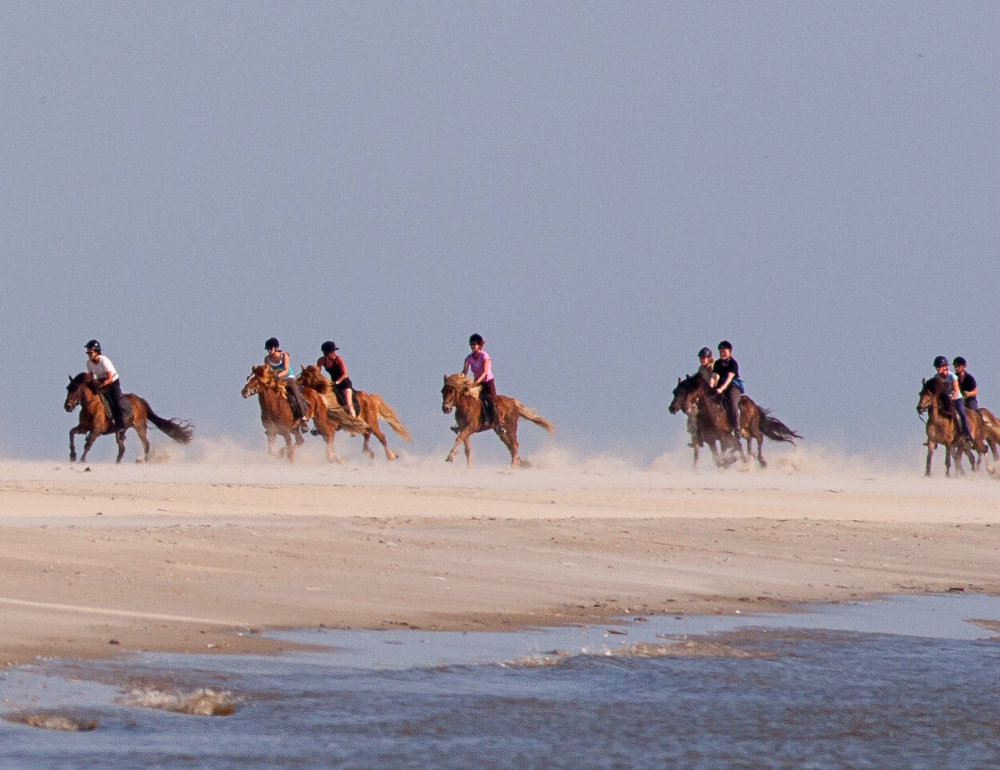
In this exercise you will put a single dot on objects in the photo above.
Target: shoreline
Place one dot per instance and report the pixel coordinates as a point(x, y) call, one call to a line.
point(156, 561)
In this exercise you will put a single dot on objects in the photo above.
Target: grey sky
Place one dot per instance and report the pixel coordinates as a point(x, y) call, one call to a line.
point(598, 188)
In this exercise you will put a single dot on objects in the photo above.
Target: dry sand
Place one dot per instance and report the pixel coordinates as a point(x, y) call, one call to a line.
point(183, 555)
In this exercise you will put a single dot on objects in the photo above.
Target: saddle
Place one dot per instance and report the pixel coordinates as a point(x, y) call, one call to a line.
point(127, 416)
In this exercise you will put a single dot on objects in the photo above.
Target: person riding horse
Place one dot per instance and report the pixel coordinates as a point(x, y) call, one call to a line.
point(727, 383)
point(966, 383)
point(952, 395)
point(106, 376)
point(337, 370)
point(277, 361)
point(479, 363)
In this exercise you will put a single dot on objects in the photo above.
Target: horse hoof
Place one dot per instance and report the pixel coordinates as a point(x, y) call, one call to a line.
point(390, 455)
point(449, 459)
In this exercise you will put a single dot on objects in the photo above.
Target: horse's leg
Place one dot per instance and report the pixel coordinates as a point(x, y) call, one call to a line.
point(463, 435)
point(376, 429)
point(509, 438)
point(141, 431)
point(289, 446)
point(331, 455)
point(87, 444)
point(120, 440)
point(365, 448)
point(468, 452)
point(72, 448)
point(760, 450)
point(930, 456)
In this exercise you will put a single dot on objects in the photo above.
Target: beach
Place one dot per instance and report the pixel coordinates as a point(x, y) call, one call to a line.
point(202, 557)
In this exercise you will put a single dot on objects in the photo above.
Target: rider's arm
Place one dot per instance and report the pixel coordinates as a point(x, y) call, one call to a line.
point(956, 393)
point(286, 367)
point(487, 370)
point(729, 378)
point(343, 368)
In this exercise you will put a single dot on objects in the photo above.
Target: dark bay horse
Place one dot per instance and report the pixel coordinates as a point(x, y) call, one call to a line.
point(82, 391)
point(371, 406)
point(462, 395)
point(942, 429)
point(710, 423)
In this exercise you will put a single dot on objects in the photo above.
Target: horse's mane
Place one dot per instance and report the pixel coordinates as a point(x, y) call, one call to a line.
point(83, 378)
point(312, 377)
point(463, 384)
point(266, 377)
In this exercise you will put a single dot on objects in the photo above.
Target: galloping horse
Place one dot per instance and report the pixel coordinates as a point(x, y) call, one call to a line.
point(82, 391)
point(941, 429)
point(371, 406)
point(711, 423)
point(276, 413)
point(462, 394)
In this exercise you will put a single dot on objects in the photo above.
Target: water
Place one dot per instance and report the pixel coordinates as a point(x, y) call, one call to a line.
point(905, 683)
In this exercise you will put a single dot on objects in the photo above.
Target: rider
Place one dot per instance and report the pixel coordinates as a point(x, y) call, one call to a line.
point(967, 384)
point(953, 394)
point(104, 372)
point(337, 370)
point(726, 372)
point(277, 361)
point(705, 359)
point(478, 361)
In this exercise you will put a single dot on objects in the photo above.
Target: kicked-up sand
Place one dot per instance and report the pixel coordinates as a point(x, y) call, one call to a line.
point(202, 556)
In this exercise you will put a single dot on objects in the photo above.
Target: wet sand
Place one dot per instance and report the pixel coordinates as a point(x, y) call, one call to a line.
point(200, 558)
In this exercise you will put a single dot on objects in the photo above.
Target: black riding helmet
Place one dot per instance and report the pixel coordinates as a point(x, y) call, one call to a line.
point(93, 345)
point(704, 353)
point(328, 347)
point(940, 361)
point(959, 361)
point(725, 345)
point(272, 343)
point(477, 339)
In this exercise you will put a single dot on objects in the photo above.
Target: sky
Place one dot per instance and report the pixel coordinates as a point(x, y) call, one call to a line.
point(599, 189)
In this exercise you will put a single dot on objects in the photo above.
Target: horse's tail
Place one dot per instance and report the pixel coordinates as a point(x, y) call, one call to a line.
point(386, 413)
point(180, 431)
point(775, 429)
point(527, 414)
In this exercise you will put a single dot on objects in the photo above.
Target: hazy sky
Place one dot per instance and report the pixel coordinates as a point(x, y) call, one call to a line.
point(598, 188)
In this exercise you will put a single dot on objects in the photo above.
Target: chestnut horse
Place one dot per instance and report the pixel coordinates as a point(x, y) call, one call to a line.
point(711, 423)
point(371, 406)
point(82, 391)
point(276, 413)
point(942, 429)
point(461, 394)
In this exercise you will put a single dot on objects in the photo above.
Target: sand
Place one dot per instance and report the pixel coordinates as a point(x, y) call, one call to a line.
point(202, 556)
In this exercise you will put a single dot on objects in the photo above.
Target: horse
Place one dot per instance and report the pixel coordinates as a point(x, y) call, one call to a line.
point(942, 429)
point(462, 394)
point(371, 406)
point(711, 423)
point(276, 414)
point(82, 391)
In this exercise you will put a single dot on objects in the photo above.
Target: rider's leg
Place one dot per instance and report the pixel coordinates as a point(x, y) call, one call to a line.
point(349, 401)
point(733, 394)
point(117, 411)
point(962, 421)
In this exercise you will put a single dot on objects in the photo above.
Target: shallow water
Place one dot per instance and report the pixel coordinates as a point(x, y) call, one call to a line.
point(905, 683)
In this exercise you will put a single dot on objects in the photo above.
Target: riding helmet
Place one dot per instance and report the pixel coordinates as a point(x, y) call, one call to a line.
point(725, 345)
point(328, 347)
point(477, 339)
point(959, 361)
point(272, 343)
point(940, 361)
point(704, 353)
point(93, 345)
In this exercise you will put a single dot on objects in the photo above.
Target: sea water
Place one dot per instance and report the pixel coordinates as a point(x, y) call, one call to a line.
point(907, 682)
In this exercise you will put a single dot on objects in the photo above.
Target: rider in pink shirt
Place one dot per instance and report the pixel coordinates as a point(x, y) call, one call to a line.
point(478, 362)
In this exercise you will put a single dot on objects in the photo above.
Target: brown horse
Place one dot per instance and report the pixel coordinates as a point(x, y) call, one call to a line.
point(82, 391)
point(461, 394)
point(371, 406)
point(942, 429)
point(276, 413)
point(711, 423)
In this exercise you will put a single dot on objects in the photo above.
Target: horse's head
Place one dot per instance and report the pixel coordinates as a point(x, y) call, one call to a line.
point(260, 379)
point(312, 377)
point(930, 394)
point(455, 385)
point(686, 395)
point(74, 391)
